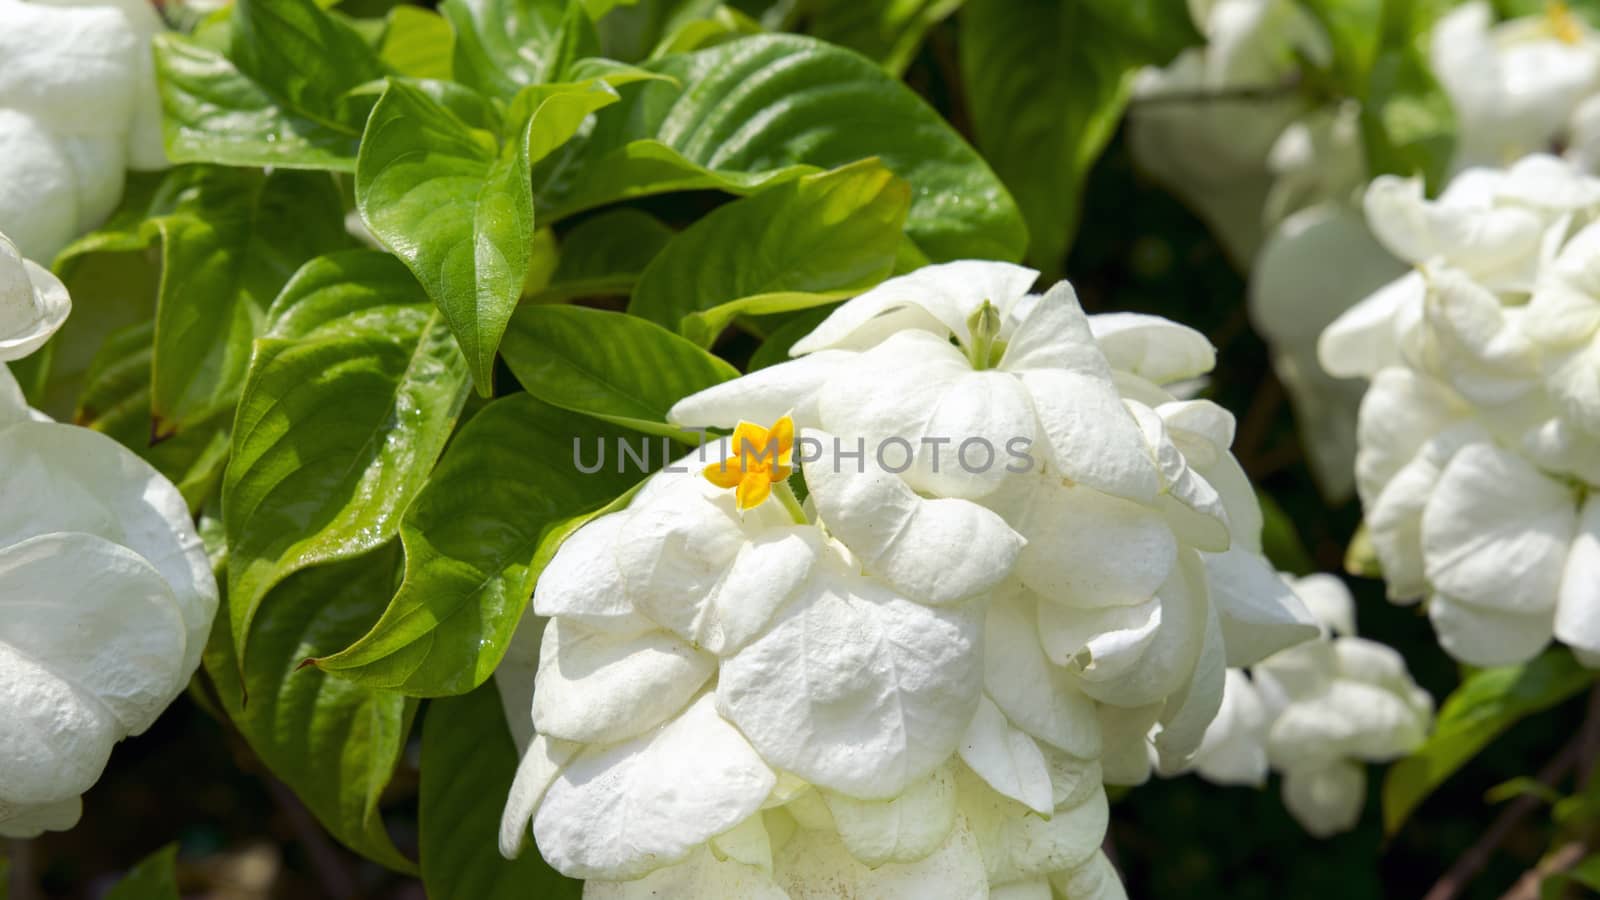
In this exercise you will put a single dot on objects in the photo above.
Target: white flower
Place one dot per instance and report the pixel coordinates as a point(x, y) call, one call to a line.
point(1315, 713)
point(78, 105)
point(1480, 436)
point(1195, 128)
point(1514, 85)
point(107, 593)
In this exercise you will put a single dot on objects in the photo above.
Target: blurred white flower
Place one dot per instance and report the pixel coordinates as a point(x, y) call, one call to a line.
point(107, 593)
point(1516, 85)
point(78, 106)
point(1480, 436)
point(1316, 713)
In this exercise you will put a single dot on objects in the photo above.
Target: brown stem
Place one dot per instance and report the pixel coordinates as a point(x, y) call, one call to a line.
point(20, 855)
point(1527, 887)
point(336, 878)
point(1472, 862)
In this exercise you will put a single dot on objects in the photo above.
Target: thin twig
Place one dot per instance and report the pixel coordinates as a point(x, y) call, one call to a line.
point(1255, 93)
point(1472, 862)
point(1527, 887)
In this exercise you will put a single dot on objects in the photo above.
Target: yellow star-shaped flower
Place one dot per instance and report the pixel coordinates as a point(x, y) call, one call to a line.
point(760, 459)
point(1563, 23)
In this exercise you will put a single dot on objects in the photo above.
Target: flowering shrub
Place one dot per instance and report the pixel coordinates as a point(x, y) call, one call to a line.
point(795, 448)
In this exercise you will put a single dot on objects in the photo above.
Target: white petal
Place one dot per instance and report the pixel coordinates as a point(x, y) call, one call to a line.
point(1154, 348)
point(1008, 760)
point(598, 688)
point(1032, 889)
point(748, 843)
point(1188, 712)
point(1126, 759)
point(514, 678)
point(1102, 644)
point(623, 811)
point(1471, 344)
point(1402, 410)
point(905, 829)
point(1260, 615)
point(1495, 532)
point(1170, 656)
point(1037, 697)
point(855, 688)
point(1019, 844)
point(33, 303)
point(1489, 242)
point(1234, 751)
point(763, 396)
point(1349, 720)
point(1090, 549)
point(38, 187)
point(815, 865)
point(72, 67)
point(1329, 601)
point(1481, 636)
point(13, 406)
point(1578, 607)
point(1326, 801)
point(583, 584)
point(64, 478)
point(938, 551)
point(29, 821)
point(540, 764)
point(1096, 879)
point(702, 875)
point(1364, 339)
point(949, 293)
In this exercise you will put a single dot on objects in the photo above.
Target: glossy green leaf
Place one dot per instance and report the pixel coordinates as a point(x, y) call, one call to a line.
point(351, 396)
point(1408, 124)
point(304, 56)
point(216, 114)
point(604, 256)
point(1354, 28)
point(887, 32)
point(334, 743)
point(768, 108)
point(799, 244)
point(468, 762)
point(476, 539)
point(418, 42)
point(115, 401)
point(1046, 84)
point(615, 367)
point(503, 46)
point(1482, 708)
point(454, 203)
point(233, 239)
point(154, 878)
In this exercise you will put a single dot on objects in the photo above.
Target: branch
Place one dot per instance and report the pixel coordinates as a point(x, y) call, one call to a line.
point(336, 877)
point(1472, 862)
point(1527, 887)
point(1256, 93)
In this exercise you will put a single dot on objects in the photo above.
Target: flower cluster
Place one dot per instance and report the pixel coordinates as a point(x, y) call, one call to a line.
point(78, 106)
point(1480, 435)
point(1315, 713)
point(106, 596)
point(1021, 568)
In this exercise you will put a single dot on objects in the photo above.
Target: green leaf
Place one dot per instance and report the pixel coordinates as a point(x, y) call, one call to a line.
point(887, 32)
point(1408, 125)
point(477, 537)
point(154, 878)
point(775, 349)
point(1484, 706)
point(1586, 874)
point(612, 366)
point(351, 396)
point(1354, 28)
point(503, 46)
point(768, 108)
point(468, 763)
point(799, 244)
point(456, 206)
point(604, 256)
point(1522, 786)
point(1280, 541)
point(1046, 84)
point(233, 239)
point(418, 42)
point(305, 57)
point(334, 743)
point(216, 114)
point(116, 402)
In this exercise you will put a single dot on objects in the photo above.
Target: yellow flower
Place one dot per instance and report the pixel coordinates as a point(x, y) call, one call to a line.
point(760, 459)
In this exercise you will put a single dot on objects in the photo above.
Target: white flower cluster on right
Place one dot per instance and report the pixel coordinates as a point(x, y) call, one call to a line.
point(915, 685)
point(1479, 438)
point(1316, 713)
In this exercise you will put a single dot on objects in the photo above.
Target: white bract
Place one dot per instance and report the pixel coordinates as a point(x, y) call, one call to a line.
point(1013, 534)
point(106, 595)
point(1480, 435)
point(78, 106)
point(1316, 713)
